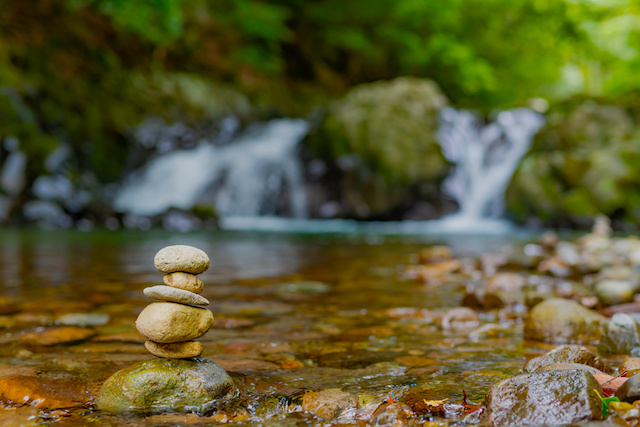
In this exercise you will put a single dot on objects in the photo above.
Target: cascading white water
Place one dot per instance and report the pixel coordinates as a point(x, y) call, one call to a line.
point(485, 158)
point(245, 178)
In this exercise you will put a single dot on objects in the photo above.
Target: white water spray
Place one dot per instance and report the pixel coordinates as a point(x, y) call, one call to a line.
point(246, 178)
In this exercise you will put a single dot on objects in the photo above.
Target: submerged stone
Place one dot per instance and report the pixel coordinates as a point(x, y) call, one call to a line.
point(161, 385)
point(564, 321)
point(550, 398)
point(43, 393)
point(328, 403)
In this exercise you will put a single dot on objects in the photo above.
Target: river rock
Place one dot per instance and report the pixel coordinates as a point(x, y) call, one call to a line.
point(186, 281)
point(571, 367)
point(181, 258)
point(43, 393)
point(168, 322)
point(550, 398)
point(566, 354)
point(630, 390)
point(171, 294)
point(630, 366)
point(612, 292)
point(622, 336)
point(560, 320)
point(328, 403)
point(177, 350)
point(162, 385)
point(57, 336)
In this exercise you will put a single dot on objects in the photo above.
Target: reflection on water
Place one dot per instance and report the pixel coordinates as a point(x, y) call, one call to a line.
point(293, 313)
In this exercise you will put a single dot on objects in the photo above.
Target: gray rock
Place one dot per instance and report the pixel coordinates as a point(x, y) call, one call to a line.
point(171, 294)
point(181, 258)
point(630, 390)
point(549, 398)
point(168, 322)
point(612, 292)
point(574, 354)
point(622, 336)
point(570, 367)
point(564, 321)
point(160, 385)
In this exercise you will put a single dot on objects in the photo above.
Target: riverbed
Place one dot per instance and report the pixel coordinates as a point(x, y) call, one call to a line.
point(295, 314)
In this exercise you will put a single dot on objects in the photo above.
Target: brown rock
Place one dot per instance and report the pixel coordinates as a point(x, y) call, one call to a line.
point(171, 294)
point(168, 322)
point(58, 336)
point(630, 366)
point(505, 282)
point(567, 354)
point(44, 393)
point(178, 350)
point(186, 281)
point(328, 403)
point(181, 258)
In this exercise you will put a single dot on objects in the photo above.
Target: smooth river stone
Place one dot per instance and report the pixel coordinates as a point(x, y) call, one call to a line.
point(177, 350)
point(168, 322)
point(171, 294)
point(181, 258)
point(182, 280)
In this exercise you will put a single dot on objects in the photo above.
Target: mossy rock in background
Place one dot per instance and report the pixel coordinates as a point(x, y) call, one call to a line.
point(583, 163)
point(382, 136)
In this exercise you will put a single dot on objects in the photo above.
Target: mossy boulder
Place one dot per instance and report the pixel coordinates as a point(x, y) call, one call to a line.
point(583, 163)
point(161, 385)
point(382, 138)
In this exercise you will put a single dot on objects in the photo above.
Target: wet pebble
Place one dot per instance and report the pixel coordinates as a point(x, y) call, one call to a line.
point(171, 294)
point(178, 350)
point(57, 336)
point(186, 281)
point(44, 393)
point(612, 292)
point(181, 258)
point(167, 322)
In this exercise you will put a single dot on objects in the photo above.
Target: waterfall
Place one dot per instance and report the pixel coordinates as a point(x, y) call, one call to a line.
point(255, 175)
point(484, 158)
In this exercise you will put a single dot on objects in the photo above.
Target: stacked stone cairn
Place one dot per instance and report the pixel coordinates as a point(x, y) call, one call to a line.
point(172, 324)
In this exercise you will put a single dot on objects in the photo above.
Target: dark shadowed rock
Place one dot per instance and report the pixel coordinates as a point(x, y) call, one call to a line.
point(567, 354)
point(161, 385)
point(550, 398)
point(622, 336)
point(564, 321)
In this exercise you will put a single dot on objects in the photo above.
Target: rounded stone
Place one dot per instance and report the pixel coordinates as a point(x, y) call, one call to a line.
point(161, 385)
point(171, 294)
point(178, 350)
point(182, 280)
point(560, 320)
point(181, 258)
point(168, 322)
point(612, 292)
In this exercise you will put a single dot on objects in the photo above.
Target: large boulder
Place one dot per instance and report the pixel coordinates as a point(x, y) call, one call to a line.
point(549, 398)
point(583, 163)
point(562, 321)
point(160, 385)
point(382, 138)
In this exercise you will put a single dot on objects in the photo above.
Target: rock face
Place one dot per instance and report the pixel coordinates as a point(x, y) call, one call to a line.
point(550, 398)
point(564, 321)
point(380, 138)
point(566, 354)
point(181, 258)
point(169, 293)
point(161, 385)
point(167, 322)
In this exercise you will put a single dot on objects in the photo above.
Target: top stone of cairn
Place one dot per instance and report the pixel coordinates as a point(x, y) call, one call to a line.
point(181, 258)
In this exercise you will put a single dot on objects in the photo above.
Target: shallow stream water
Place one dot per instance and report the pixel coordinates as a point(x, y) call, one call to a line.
point(294, 314)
